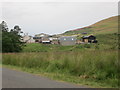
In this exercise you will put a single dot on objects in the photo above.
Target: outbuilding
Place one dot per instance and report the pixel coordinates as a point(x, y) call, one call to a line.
point(67, 40)
point(45, 40)
point(89, 39)
point(28, 39)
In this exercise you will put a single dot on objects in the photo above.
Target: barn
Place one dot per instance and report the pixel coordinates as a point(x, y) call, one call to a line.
point(89, 39)
point(67, 40)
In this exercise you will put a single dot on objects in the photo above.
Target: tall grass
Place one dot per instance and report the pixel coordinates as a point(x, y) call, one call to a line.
point(96, 64)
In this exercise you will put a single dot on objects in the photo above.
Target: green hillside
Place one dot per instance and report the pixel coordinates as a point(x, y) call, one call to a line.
point(106, 26)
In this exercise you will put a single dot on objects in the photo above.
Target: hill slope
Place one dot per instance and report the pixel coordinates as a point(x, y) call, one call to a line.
point(105, 26)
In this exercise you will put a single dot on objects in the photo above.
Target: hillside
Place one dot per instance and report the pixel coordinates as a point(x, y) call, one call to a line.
point(106, 26)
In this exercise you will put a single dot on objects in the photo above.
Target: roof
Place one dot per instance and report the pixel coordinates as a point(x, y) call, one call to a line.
point(45, 41)
point(85, 36)
point(67, 38)
point(88, 36)
point(41, 35)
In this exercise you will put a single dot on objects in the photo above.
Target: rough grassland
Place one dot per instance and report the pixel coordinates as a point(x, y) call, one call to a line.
point(96, 66)
point(106, 26)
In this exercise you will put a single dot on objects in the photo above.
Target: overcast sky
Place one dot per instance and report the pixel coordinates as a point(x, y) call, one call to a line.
point(55, 17)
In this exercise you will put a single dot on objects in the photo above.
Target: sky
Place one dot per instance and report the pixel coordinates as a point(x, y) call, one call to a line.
point(55, 17)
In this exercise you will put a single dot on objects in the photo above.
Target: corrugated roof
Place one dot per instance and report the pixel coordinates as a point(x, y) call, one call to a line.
point(67, 38)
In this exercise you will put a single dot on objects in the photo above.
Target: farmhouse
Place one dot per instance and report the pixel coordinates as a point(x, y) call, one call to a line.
point(41, 35)
point(40, 38)
point(89, 39)
point(37, 39)
point(28, 39)
point(46, 39)
point(67, 40)
point(54, 39)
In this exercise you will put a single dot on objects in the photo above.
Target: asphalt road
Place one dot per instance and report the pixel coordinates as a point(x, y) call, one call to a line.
point(18, 79)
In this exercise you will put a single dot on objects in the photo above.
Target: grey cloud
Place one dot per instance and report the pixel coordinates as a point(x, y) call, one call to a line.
point(55, 17)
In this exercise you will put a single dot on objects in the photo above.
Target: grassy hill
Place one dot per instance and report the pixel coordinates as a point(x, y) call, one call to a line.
point(106, 26)
point(105, 30)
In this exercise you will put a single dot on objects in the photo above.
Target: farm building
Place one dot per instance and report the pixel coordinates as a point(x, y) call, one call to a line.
point(28, 39)
point(67, 40)
point(39, 37)
point(55, 42)
point(54, 39)
point(89, 39)
point(45, 40)
point(84, 32)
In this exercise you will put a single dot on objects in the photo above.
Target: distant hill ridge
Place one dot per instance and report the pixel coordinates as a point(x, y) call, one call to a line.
point(106, 26)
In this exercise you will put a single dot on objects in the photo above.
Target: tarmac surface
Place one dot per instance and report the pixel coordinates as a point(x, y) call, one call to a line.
point(19, 79)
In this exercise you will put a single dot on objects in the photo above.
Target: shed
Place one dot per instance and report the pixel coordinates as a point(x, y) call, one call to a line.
point(46, 40)
point(67, 40)
point(89, 39)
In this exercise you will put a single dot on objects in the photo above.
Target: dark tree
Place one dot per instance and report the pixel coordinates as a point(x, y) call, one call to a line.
point(11, 40)
point(4, 26)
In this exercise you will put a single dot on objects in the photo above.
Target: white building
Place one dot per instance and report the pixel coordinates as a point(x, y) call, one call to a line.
point(28, 39)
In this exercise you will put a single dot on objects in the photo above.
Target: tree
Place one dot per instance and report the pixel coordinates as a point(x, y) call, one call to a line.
point(4, 26)
point(11, 40)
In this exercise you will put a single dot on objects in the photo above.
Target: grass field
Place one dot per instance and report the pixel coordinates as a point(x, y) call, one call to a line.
point(97, 66)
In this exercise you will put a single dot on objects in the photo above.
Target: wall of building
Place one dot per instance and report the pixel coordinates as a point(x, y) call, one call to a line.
point(67, 40)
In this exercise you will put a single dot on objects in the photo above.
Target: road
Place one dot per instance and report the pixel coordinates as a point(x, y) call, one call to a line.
point(18, 79)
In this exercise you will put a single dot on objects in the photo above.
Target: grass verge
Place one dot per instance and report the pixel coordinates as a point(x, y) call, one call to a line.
point(88, 83)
